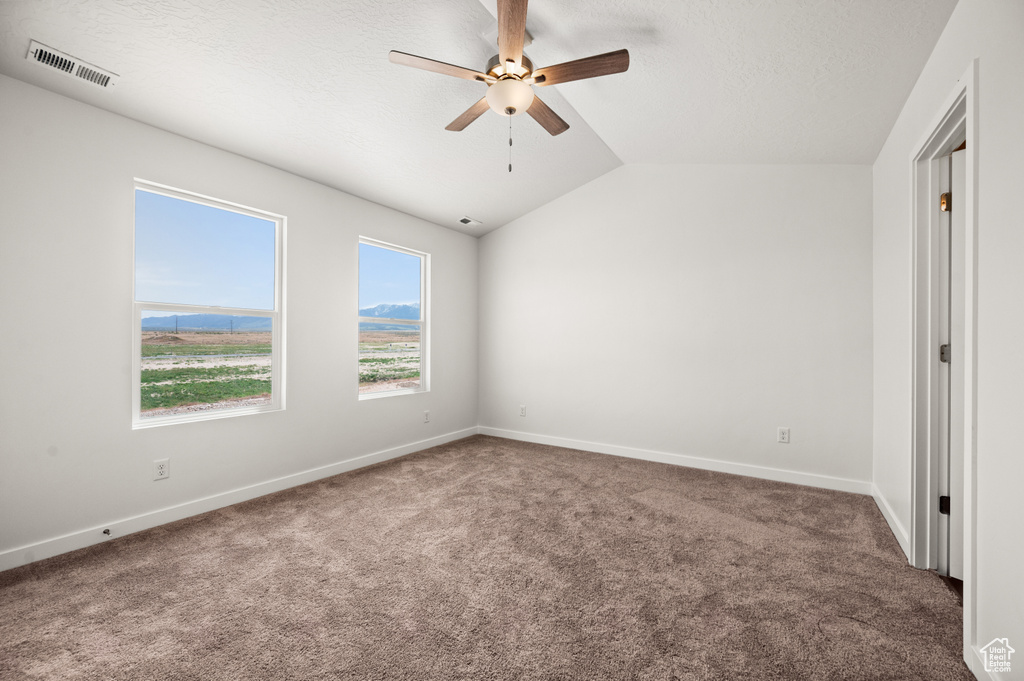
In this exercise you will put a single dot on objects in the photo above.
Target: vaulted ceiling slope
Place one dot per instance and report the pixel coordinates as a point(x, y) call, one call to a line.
point(306, 86)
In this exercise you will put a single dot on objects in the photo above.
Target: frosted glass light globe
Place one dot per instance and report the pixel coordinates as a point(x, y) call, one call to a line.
point(509, 93)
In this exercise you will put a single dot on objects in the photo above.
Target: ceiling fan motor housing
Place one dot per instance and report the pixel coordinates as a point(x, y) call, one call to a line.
point(497, 69)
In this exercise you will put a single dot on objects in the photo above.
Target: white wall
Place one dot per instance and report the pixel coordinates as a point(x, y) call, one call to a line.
point(689, 310)
point(69, 462)
point(993, 32)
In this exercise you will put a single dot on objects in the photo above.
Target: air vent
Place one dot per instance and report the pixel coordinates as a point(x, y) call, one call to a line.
point(470, 222)
point(70, 66)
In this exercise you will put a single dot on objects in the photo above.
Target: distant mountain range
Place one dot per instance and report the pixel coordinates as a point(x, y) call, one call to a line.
point(206, 322)
point(391, 312)
point(224, 322)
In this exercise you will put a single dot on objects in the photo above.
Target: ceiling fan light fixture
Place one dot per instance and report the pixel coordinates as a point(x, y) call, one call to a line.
point(509, 97)
point(510, 75)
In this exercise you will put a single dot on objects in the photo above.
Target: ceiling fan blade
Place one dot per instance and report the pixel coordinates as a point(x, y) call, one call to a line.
point(437, 66)
point(589, 67)
point(468, 116)
point(511, 30)
point(547, 118)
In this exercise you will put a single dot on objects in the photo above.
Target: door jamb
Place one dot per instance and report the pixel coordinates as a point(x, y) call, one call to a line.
point(958, 120)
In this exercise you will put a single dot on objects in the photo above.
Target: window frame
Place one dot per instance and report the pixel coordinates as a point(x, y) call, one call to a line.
point(423, 322)
point(277, 353)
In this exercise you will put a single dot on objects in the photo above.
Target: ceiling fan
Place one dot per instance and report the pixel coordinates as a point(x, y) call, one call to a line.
point(509, 75)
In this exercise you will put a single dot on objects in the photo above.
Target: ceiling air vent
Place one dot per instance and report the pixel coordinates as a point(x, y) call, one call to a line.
point(70, 66)
point(470, 222)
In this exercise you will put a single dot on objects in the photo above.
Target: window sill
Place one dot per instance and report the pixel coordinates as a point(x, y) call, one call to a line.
point(156, 421)
point(391, 393)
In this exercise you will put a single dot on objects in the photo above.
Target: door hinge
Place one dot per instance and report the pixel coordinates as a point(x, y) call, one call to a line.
point(944, 353)
point(945, 202)
point(944, 505)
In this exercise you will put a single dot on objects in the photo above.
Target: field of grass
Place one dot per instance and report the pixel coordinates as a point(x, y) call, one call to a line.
point(199, 350)
point(180, 374)
point(202, 392)
point(185, 369)
point(388, 359)
point(378, 376)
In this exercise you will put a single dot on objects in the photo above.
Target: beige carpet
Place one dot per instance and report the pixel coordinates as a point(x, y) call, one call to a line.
point(493, 559)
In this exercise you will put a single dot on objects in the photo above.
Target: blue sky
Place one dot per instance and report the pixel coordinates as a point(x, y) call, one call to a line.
point(193, 254)
point(387, 276)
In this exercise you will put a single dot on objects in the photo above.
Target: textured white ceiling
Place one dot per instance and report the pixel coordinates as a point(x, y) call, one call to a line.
point(306, 85)
point(743, 81)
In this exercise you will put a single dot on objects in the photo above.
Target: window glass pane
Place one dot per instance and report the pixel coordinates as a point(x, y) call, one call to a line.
point(193, 254)
point(389, 357)
point(200, 362)
point(389, 283)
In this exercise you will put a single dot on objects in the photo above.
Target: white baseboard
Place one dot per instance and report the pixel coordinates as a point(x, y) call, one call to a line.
point(900, 532)
point(977, 667)
point(749, 470)
point(30, 553)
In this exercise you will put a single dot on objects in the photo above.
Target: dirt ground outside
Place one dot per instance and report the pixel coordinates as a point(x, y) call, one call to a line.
point(206, 338)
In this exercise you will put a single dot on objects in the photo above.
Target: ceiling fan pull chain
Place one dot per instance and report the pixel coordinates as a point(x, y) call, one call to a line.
point(510, 144)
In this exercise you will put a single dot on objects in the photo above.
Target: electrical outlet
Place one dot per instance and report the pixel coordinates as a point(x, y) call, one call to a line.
point(426, 416)
point(161, 469)
point(522, 410)
point(784, 435)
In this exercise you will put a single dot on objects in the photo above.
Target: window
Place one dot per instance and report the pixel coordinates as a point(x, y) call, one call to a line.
point(392, 319)
point(207, 311)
